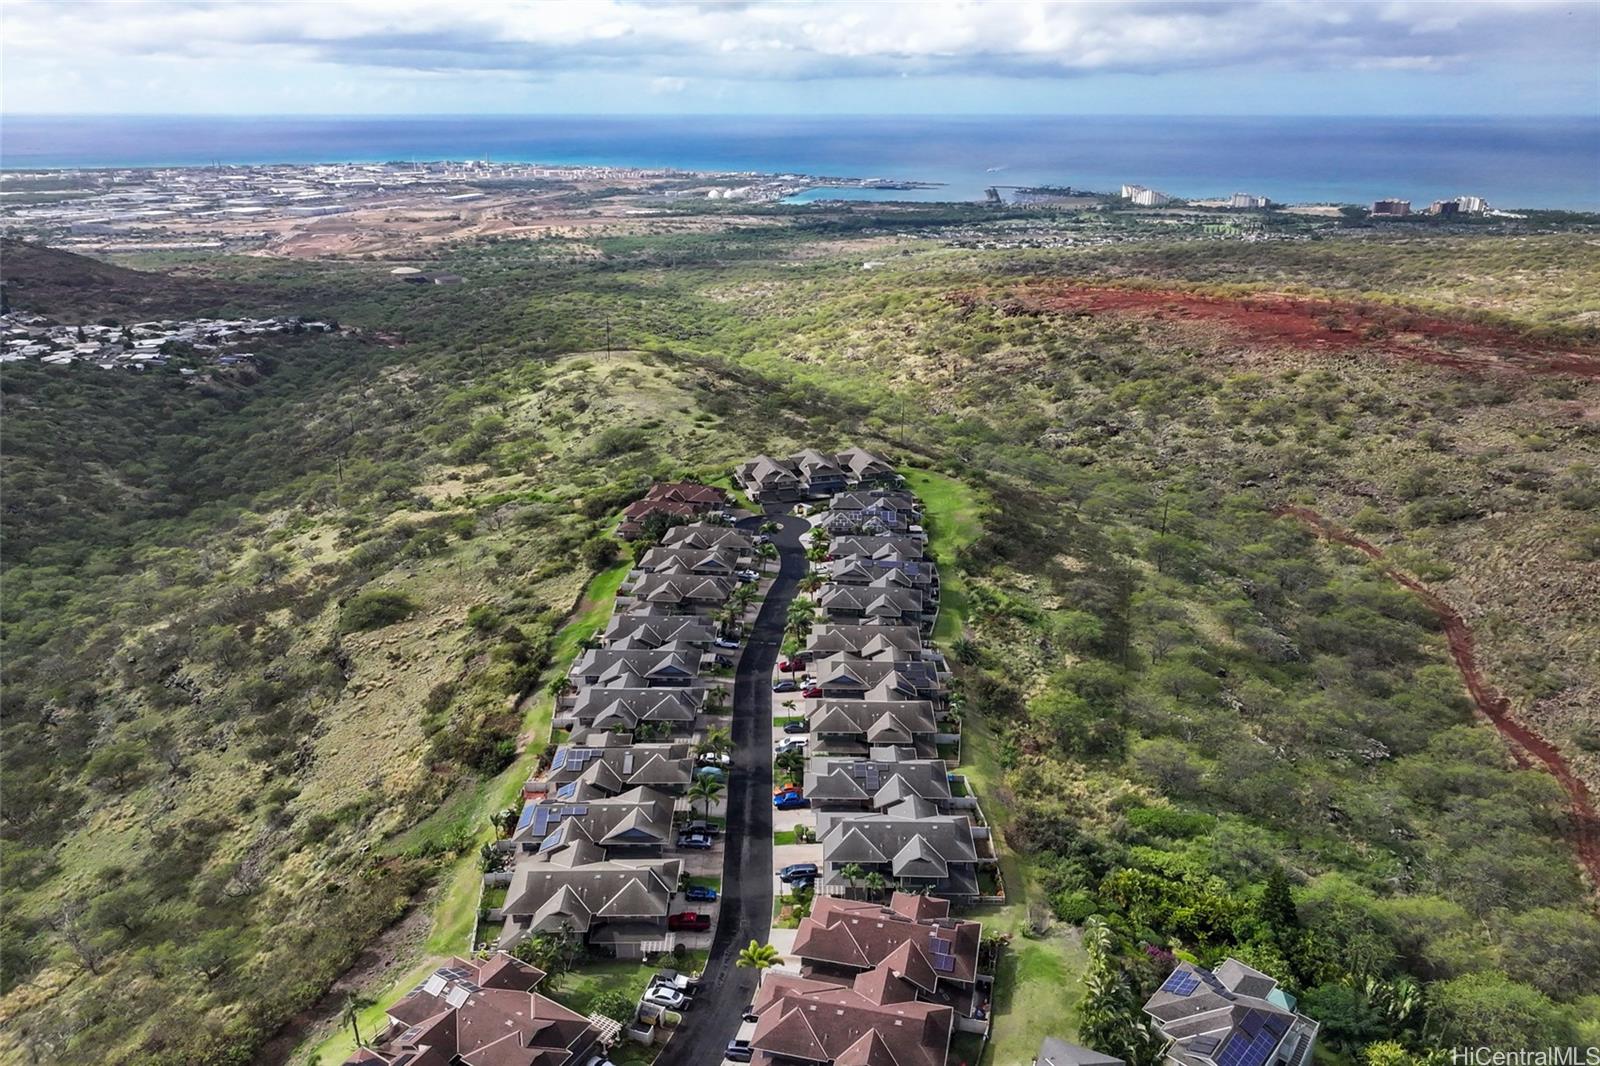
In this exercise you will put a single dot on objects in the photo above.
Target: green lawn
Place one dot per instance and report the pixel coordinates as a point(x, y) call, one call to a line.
point(579, 988)
point(950, 515)
point(455, 905)
point(783, 836)
point(1036, 989)
point(706, 882)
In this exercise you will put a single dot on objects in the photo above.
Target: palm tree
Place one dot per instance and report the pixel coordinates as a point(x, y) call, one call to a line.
point(716, 698)
point(852, 873)
point(876, 883)
point(717, 741)
point(354, 1004)
point(705, 789)
point(811, 582)
point(768, 550)
point(759, 956)
point(802, 615)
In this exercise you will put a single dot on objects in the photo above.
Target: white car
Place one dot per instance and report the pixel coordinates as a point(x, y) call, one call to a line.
point(724, 642)
point(664, 996)
point(788, 744)
point(715, 758)
point(747, 575)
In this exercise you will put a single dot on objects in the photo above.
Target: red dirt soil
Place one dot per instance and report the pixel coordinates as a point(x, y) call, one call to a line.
point(1298, 322)
point(1526, 745)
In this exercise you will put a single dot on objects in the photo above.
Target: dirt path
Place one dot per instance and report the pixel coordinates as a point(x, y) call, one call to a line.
point(1527, 746)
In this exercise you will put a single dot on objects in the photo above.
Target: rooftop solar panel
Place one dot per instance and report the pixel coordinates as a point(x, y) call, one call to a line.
point(944, 963)
point(529, 811)
point(1181, 983)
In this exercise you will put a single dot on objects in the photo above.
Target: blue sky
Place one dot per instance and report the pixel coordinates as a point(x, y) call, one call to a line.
point(607, 56)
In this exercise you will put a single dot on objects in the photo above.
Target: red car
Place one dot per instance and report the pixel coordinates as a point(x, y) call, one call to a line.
point(688, 921)
point(811, 693)
point(786, 790)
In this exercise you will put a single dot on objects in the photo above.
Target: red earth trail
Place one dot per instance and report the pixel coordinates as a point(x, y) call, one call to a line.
point(1525, 742)
point(1321, 325)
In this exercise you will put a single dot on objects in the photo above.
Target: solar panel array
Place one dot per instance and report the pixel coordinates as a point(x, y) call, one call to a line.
point(545, 814)
point(1254, 1039)
point(944, 960)
point(529, 816)
point(1181, 983)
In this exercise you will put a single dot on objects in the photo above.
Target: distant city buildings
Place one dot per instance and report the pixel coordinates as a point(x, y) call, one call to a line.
point(1144, 197)
point(1450, 208)
point(141, 345)
point(1241, 199)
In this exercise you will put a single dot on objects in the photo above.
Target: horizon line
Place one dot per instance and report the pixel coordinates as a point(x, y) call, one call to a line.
point(1590, 116)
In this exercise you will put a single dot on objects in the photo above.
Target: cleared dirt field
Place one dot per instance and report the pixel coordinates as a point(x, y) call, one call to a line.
point(1325, 325)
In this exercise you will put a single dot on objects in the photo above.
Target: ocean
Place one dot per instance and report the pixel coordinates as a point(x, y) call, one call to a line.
point(1528, 163)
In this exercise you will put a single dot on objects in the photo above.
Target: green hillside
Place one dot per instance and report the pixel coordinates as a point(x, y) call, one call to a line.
point(273, 648)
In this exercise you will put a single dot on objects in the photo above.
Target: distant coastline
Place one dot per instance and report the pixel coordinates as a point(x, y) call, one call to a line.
point(1529, 163)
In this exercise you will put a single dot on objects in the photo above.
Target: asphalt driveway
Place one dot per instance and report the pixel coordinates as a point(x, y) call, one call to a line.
point(725, 990)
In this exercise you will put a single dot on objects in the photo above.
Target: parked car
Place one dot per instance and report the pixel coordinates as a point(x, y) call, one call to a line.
point(811, 693)
point(662, 996)
point(599, 1060)
point(796, 726)
point(787, 786)
point(714, 773)
point(784, 685)
point(700, 894)
point(752, 1016)
point(761, 538)
point(747, 575)
point(790, 801)
point(795, 871)
point(722, 660)
point(699, 825)
point(689, 921)
point(713, 758)
point(738, 1051)
point(697, 841)
point(788, 744)
point(725, 642)
point(680, 981)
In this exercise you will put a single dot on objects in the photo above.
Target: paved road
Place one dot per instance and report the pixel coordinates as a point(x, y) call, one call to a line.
point(726, 990)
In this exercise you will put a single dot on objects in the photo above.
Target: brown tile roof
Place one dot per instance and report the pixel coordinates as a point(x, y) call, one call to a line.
point(858, 934)
point(825, 1021)
point(481, 1014)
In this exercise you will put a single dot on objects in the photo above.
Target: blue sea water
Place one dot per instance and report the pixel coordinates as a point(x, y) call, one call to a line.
point(1532, 162)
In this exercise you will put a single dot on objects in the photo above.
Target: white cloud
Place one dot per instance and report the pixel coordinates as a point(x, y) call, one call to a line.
point(802, 40)
point(499, 50)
